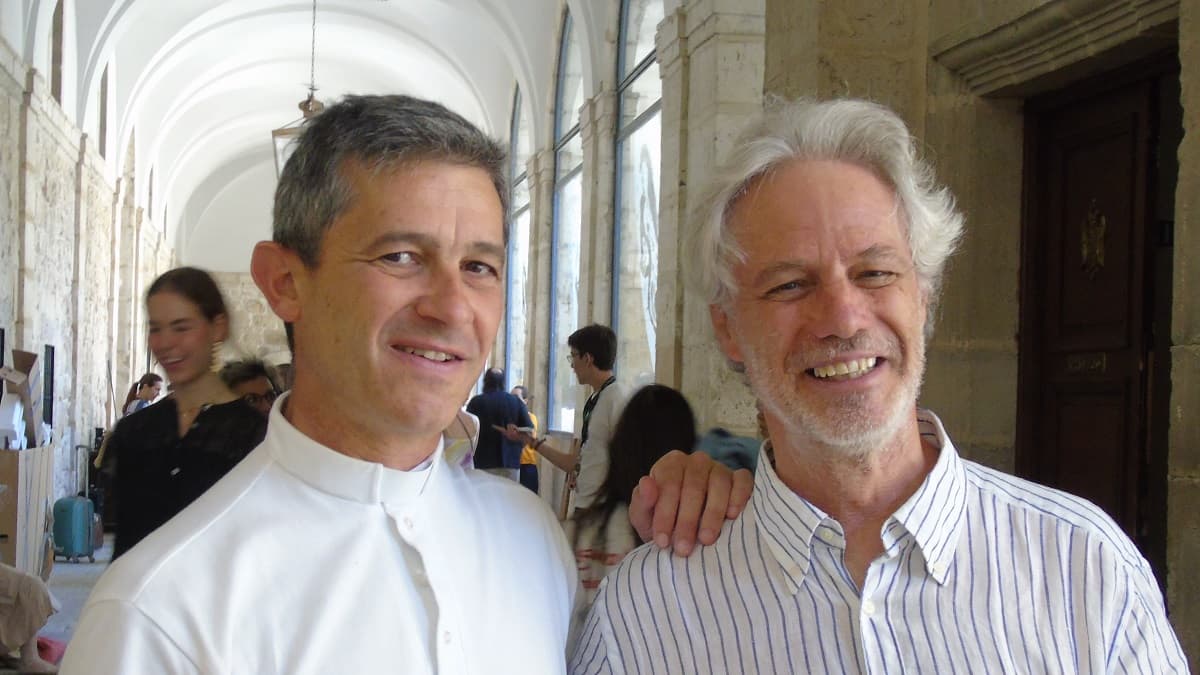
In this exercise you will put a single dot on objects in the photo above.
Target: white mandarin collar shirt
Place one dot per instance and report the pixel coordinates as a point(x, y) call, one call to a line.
point(304, 560)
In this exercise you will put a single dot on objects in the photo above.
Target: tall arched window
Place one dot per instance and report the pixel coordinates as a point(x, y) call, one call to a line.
point(567, 229)
point(638, 166)
point(516, 320)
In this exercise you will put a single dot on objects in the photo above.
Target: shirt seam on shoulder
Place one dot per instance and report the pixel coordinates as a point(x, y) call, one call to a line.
point(157, 627)
point(178, 547)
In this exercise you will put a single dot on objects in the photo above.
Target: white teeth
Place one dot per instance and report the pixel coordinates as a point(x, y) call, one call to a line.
point(428, 354)
point(851, 369)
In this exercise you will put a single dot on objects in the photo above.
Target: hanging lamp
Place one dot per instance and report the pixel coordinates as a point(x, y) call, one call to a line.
point(284, 138)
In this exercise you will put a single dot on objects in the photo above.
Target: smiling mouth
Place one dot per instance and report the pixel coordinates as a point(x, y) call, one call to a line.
point(845, 370)
point(429, 354)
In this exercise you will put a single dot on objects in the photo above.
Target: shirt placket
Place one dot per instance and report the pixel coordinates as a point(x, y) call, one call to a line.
point(878, 652)
point(447, 638)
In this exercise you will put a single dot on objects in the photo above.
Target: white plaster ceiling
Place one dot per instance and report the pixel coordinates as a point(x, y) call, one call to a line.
point(199, 84)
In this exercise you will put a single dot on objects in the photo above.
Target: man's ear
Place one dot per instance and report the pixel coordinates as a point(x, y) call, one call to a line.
point(720, 322)
point(274, 268)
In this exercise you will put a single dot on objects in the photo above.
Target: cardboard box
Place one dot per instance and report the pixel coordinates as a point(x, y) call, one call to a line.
point(27, 477)
point(30, 392)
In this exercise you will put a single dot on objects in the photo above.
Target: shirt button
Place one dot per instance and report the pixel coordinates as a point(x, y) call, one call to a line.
point(446, 637)
point(408, 523)
point(827, 536)
point(868, 608)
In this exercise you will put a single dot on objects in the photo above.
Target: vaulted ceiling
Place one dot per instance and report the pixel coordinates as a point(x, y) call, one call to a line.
point(197, 85)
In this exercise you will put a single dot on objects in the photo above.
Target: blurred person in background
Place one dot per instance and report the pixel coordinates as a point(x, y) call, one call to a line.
point(170, 454)
point(656, 420)
point(496, 410)
point(529, 456)
point(142, 393)
point(250, 379)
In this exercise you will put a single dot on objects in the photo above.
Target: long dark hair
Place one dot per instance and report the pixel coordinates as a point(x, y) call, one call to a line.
point(656, 420)
point(147, 380)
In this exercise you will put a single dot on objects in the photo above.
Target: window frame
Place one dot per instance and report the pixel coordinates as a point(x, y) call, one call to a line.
point(515, 212)
point(561, 139)
point(621, 133)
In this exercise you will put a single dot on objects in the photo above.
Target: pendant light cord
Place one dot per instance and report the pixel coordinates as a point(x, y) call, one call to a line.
point(312, 72)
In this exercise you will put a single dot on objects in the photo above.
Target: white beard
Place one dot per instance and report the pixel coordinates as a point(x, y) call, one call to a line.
point(845, 425)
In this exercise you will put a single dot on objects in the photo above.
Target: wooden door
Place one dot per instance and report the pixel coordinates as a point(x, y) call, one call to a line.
point(1088, 298)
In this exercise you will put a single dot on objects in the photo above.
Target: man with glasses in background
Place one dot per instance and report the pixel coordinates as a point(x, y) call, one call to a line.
point(592, 357)
point(250, 379)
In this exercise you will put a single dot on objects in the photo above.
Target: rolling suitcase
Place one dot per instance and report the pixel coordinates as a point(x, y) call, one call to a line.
point(73, 529)
point(73, 524)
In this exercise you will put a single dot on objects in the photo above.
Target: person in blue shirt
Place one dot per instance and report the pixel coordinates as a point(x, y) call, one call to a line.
point(496, 409)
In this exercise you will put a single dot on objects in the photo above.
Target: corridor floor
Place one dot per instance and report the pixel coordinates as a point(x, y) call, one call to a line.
point(71, 583)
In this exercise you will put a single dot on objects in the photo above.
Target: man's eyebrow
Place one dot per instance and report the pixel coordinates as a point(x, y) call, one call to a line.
point(392, 237)
point(487, 248)
point(873, 252)
point(783, 266)
point(426, 241)
point(879, 251)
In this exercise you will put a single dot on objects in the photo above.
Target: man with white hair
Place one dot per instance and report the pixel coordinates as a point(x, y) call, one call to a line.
point(869, 545)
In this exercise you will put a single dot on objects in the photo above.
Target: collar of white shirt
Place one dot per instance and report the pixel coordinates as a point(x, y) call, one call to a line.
point(354, 479)
point(932, 517)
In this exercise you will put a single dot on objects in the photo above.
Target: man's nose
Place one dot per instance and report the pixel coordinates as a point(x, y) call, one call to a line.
point(445, 299)
point(842, 310)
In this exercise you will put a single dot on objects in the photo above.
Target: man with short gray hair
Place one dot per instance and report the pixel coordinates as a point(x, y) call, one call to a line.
point(868, 545)
point(357, 538)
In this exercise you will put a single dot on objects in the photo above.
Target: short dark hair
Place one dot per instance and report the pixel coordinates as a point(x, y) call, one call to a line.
point(524, 391)
point(379, 133)
point(493, 380)
point(599, 341)
point(237, 372)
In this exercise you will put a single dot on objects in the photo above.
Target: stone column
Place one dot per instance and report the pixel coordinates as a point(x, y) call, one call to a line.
point(538, 352)
point(114, 305)
point(1183, 463)
point(710, 53)
point(597, 122)
point(78, 311)
point(127, 294)
point(11, 97)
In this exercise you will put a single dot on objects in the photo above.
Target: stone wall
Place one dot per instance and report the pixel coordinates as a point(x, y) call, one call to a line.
point(59, 255)
point(255, 331)
point(711, 55)
point(48, 252)
point(1183, 472)
point(94, 287)
point(11, 91)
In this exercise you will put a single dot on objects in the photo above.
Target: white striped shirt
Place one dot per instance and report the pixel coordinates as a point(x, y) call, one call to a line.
point(982, 572)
